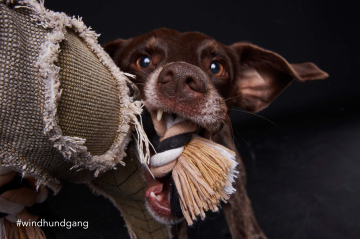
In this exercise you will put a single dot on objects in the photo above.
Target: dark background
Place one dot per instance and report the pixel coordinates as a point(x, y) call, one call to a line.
point(303, 169)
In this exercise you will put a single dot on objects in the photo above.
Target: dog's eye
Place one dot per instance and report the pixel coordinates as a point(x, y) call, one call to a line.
point(143, 62)
point(217, 68)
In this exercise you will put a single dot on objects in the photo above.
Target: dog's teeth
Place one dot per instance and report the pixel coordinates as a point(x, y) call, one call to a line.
point(159, 115)
point(158, 198)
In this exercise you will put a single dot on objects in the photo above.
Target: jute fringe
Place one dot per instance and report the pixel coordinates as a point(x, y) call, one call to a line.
point(10, 230)
point(203, 172)
point(203, 175)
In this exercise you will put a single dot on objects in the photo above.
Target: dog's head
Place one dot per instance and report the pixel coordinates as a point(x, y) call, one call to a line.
point(192, 76)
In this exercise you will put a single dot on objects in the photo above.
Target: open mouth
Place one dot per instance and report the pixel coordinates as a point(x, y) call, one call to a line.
point(187, 174)
point(160, 194)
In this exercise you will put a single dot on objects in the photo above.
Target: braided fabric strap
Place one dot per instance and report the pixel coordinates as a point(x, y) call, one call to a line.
point(202, 171)
point(17, 196)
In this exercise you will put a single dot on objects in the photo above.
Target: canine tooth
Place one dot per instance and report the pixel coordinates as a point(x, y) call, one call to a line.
point(158, 198)
point(159, 115)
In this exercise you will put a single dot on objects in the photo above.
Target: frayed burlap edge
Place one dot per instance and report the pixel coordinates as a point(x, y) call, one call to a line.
point(73, 148)
point(27, 169)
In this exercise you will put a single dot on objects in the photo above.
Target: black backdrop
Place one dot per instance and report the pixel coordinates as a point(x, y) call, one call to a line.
point(303, 173)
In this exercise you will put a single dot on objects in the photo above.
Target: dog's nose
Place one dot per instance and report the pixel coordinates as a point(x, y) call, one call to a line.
point(183, 79)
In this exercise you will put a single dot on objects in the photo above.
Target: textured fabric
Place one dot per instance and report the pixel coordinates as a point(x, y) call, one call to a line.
point(65, 106)
point(64, 103)
point(125, 187)
point(22, 142)
point(89, 105)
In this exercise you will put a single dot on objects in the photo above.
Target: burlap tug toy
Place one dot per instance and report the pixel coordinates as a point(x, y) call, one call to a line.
point(202, 171)
point(66, 114)
point(64, 103)
point(66, 111)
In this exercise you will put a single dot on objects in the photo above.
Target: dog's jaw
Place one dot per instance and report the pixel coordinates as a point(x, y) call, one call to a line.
point(270, 75)
point(162, 219)
point(208, 111)
point(157, 200)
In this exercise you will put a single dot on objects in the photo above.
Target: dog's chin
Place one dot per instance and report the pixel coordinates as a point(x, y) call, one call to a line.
point(161, 218)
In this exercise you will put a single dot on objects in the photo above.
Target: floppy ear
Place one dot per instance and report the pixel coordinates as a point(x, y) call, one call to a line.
point(114, 48)
point(262, 75)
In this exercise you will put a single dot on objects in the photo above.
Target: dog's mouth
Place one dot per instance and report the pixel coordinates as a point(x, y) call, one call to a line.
point(169, 118)
point(206, 112)
point(158, 197)
point(160, 191)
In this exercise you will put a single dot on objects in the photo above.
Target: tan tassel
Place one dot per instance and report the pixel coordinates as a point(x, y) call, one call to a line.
point(35, 233)
point(12, 231)
point(22, 232)
point(203, 175)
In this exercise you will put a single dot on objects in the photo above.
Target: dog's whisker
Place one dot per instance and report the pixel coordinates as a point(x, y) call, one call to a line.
point(180, 85)
point(236, 131)
point(256, 115)
point(230, 124)
point(147, 74)
point(230, 129)
point(232, 97)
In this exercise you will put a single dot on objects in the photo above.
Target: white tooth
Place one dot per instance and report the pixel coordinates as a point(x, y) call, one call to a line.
point(159, 115)
point(152, 194)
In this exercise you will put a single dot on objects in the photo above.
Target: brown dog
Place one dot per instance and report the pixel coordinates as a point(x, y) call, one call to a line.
point(199, 79)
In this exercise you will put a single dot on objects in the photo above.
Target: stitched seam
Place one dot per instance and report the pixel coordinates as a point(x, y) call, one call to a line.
point(122, 204)
point(147, 223)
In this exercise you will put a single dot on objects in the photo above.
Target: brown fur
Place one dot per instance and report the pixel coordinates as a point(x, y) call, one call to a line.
point(253, 78)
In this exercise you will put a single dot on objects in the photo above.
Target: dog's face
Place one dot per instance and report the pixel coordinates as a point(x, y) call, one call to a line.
point(193, 77)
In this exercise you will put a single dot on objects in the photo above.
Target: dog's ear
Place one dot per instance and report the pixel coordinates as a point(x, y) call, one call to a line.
point(114, 47)
point(262, 75)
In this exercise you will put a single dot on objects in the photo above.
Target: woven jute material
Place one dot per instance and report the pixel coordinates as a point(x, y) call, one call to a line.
point(23, 143)
point(89, 106)
point(66, 114)
point(65, 109)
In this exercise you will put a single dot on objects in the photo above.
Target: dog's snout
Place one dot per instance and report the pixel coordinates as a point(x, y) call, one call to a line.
point(183, 79)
